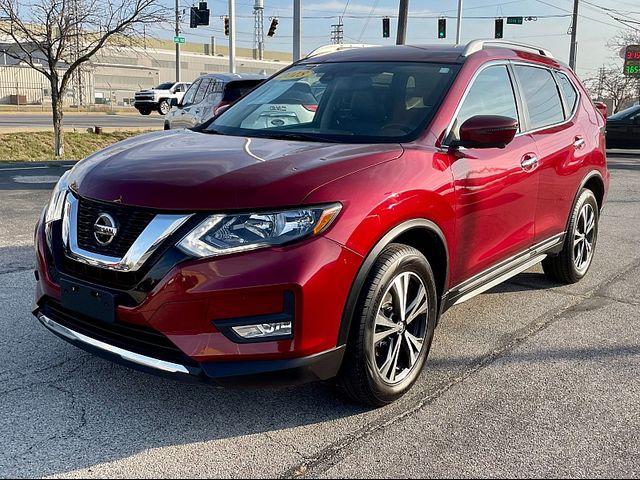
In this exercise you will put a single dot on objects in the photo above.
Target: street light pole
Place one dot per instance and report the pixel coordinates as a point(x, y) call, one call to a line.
point(297, 29)
point(232, 36)
point(177, 44)
point(574, 34)
point(459, 25)
point(403, 13)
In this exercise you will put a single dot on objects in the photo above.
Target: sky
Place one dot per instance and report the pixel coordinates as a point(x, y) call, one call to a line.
point(363, 24)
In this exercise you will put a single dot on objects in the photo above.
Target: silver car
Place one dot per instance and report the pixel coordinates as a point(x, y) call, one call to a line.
point(206, 95)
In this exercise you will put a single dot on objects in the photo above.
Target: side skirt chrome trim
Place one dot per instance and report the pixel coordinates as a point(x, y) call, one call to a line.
point(497, 274)
point(143, 360)
point(505, 276)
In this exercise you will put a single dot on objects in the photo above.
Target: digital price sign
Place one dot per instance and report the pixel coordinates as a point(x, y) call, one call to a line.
point(632, 61)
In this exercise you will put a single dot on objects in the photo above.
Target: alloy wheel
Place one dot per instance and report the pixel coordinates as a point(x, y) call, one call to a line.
point(400, 327)
point(584, 238)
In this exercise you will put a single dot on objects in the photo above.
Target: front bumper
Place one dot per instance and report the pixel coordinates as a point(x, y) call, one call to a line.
point(181, 321)
point(321, 366)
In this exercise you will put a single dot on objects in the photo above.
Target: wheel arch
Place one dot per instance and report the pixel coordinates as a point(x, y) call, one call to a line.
point(594, 182)
point(422, 234)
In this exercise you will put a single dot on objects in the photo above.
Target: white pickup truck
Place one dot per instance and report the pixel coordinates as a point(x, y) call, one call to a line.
point(159, 98)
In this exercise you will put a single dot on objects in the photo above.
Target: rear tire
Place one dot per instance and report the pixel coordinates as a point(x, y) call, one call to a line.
point(163, 107)
point(573, 262)
point(392, 328)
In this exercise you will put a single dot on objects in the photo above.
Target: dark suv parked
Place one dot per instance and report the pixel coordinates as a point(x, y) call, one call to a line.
point(259, 252)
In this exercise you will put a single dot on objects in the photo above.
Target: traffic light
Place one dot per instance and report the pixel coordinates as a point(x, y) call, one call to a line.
point(272, 28)
point(199, 15)
point(193, 18)
point(386, 27)
point(226, 26)
point(442, 28)
point(499, 28)
point(203, 14)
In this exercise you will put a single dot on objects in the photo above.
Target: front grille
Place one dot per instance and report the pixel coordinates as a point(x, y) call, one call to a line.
point(130, 222)
point(132, 337)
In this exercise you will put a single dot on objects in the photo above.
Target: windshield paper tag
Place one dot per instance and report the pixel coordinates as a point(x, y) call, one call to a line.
point(294, 75)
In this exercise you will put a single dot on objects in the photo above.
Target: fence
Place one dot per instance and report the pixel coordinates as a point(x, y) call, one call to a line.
point(22, 85)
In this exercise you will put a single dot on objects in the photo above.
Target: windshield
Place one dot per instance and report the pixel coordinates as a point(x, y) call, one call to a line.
point(377, 102)
point(165, 86)
point(625, 113)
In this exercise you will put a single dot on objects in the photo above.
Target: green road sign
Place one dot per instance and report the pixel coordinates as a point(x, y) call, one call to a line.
point(514, 20)
point(179, 40)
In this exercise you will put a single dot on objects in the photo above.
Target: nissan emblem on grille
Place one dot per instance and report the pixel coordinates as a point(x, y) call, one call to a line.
point(105, 230)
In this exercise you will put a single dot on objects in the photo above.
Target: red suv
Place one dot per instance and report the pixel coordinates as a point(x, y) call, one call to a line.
point(259, 249)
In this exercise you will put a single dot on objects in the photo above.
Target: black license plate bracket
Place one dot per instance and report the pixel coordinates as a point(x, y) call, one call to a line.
point(86, 300)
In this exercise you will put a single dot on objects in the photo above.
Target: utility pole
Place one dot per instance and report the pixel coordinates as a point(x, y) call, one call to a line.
point(297, 29)
point(337, 32)
point(459, 24)
point(574, 32)
point(232, 36)
point(177, 44)
point(403, 14)
point(600, 82)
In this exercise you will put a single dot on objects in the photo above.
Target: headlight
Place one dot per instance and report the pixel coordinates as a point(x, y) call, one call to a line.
point(222, 234)
point(56, 204)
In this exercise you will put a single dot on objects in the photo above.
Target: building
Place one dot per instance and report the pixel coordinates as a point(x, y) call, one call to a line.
point(116, 73)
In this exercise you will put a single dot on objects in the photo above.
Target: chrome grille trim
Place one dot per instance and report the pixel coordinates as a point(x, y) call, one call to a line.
point(158, 230)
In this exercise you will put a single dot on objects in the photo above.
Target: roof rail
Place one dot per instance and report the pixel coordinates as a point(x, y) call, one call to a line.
point(337, 47)
point(477, 45)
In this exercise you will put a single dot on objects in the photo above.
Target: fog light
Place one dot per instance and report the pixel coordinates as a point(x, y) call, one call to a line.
point(263, 330)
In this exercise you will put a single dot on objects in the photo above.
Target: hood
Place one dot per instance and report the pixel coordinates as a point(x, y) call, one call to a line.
point(186, 170)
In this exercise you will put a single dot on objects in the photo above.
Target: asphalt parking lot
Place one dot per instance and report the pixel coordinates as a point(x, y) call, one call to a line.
point(529, 379)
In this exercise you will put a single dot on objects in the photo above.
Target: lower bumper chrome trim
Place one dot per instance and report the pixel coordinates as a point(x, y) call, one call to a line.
point(143, 360)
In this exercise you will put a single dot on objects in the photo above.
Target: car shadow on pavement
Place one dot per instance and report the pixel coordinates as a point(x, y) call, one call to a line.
point(523, 282)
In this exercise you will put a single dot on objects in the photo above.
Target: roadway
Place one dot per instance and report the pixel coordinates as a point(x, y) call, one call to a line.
point(531, 379)
point(18, 121)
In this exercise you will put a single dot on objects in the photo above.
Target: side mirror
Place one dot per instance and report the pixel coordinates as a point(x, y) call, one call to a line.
point(221, 109)
point(487, 131)
point(173, 102)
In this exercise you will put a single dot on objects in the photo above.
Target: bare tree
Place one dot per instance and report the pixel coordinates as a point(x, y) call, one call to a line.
point(614, 85)
point(56, 37)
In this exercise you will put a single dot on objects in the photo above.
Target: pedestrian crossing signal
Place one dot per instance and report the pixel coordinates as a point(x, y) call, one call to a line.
point(499, 32)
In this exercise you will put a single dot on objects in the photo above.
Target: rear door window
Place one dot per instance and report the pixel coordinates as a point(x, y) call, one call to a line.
point(540, 95)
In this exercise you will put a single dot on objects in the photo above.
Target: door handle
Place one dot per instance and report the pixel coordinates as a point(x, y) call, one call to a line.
point(529, 162)
point(579, 143)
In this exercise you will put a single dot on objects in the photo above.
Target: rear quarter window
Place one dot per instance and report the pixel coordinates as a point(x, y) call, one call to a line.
point(540, 95)
point(569, 91)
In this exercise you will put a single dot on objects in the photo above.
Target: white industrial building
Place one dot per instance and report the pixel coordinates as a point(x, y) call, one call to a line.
point(117, 72)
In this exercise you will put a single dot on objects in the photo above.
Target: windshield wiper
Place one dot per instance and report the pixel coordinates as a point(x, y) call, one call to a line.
point(304, 137)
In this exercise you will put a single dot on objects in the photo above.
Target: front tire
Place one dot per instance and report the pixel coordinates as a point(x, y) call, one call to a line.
point(573, 263)
point(392, 328)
